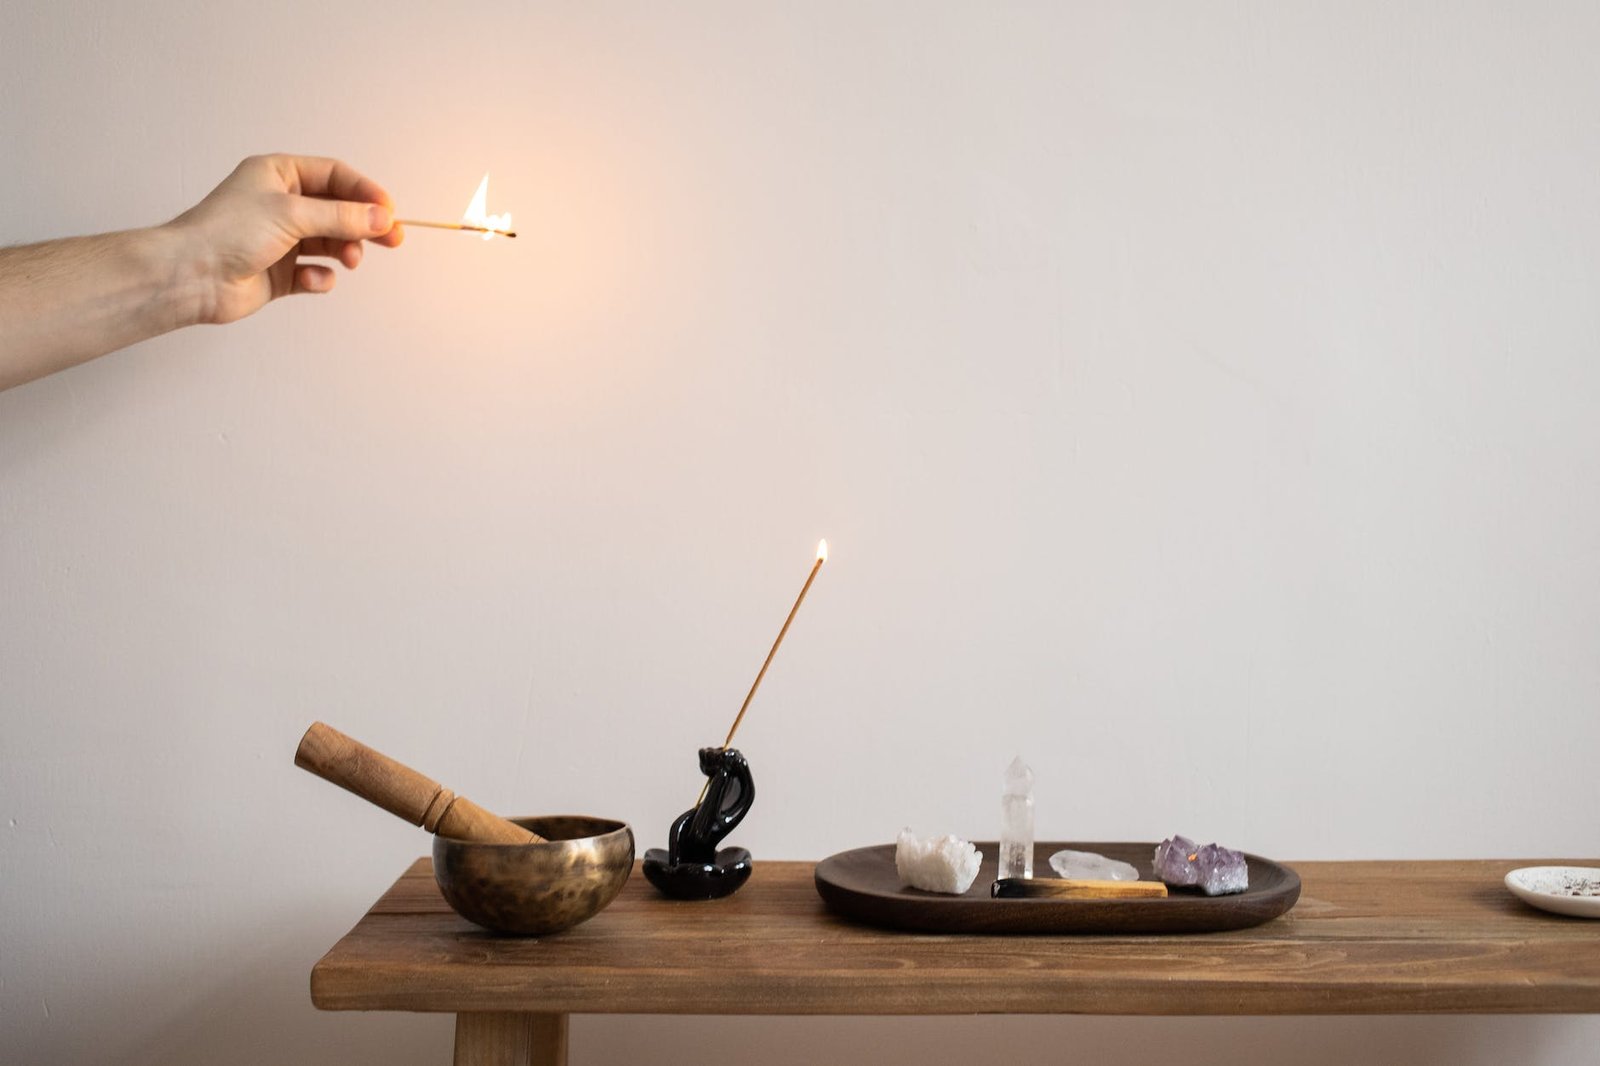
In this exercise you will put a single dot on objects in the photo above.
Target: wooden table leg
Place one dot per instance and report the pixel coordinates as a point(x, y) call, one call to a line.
point(506, 1038)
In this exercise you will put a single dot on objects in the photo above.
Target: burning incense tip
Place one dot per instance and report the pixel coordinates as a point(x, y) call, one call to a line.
point(822, 550)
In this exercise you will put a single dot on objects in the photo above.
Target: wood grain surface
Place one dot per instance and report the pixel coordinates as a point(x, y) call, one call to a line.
point(863, 884)
point(1365, 937)
point(498, 1038)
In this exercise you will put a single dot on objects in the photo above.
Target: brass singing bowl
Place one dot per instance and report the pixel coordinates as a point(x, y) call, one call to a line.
point(532, 889)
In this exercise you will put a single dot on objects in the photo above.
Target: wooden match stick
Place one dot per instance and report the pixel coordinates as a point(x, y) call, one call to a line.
point(462, 226)
point(1063, 888)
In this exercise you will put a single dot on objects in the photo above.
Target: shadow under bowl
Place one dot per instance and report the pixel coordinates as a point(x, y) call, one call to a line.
point(532, 889)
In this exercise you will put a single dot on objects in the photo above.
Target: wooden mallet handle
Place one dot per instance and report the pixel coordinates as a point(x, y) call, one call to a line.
point(400, 790)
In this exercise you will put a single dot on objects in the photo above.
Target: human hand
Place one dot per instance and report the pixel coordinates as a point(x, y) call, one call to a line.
point(250, 238)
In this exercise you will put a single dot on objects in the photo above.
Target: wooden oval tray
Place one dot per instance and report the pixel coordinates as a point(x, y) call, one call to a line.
point(862, 884)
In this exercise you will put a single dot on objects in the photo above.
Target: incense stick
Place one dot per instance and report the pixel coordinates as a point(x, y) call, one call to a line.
point(822, 557)
point(463, 226)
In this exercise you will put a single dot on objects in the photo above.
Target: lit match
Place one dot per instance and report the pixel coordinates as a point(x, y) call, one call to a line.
point(476, 219)
point(462, 226)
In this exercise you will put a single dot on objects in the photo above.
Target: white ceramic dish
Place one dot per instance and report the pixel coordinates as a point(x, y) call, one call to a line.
point(1552, 888)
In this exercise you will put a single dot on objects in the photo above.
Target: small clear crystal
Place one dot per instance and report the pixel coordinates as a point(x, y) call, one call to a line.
point(1016, 821)
point(1090, 866)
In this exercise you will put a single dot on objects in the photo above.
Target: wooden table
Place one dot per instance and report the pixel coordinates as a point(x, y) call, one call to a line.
point(1365, 938)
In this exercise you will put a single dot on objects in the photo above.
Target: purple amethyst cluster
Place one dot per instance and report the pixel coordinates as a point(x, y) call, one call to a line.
point(1213, 869)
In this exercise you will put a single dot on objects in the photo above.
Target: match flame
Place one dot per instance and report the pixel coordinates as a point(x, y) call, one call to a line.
point(822, 550)
point(478, 213)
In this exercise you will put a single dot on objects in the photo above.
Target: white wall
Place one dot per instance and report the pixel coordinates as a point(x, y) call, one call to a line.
point(1199, 399)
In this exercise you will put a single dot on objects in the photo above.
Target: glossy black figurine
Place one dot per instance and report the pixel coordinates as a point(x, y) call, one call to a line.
point(691, 867)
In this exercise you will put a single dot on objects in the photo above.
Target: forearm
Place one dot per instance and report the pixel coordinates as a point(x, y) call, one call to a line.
point(64, 302)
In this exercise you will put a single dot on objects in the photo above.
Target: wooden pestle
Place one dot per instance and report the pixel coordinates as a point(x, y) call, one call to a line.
point(400, 790)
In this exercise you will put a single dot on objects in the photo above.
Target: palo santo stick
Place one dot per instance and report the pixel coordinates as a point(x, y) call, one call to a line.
point(1064, 888)
point(402, 791)
point(463, 226)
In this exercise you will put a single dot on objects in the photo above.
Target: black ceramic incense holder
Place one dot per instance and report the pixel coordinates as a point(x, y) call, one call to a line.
point(691, 867)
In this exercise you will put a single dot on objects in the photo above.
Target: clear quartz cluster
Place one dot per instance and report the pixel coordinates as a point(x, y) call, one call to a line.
point(1213, 869)
point(1016, 821)
point(936, 864)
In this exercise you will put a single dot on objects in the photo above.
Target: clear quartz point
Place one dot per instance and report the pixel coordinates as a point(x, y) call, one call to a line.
point(1016, 821)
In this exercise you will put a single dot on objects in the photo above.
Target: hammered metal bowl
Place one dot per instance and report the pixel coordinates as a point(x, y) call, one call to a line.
point(532, 889)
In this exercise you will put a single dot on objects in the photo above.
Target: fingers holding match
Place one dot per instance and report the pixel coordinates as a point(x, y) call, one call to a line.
point(350, 220)
point(344, 191)
point(395, 237)
point(313, 278)
point(315, 175)
point(347, 253)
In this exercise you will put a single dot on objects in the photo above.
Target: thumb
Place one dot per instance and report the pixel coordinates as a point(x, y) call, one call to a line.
point(346, 220)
